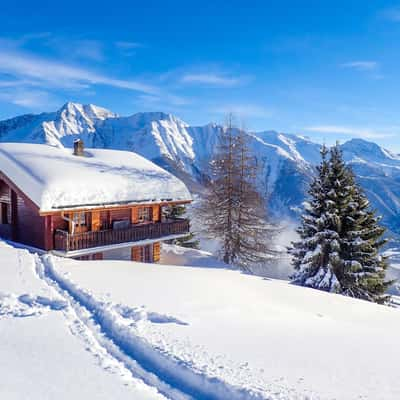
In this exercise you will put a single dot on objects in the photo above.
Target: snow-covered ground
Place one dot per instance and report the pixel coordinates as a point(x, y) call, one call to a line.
point(117, 329)
point(46, 351)
point(393, 272)
point(244, 336)
point(186, 257)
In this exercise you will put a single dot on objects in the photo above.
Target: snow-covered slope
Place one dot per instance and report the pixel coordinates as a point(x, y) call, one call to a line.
point(286, 161)
point(227, 335)
point(126, 330)
point(47, 352)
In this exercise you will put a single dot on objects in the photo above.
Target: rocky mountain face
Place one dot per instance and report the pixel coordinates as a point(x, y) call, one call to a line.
point(58, 128)
point(287, 161)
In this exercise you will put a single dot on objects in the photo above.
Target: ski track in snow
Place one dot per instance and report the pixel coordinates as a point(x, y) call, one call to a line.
point(78, 321)
point(28, 305)
point(84, 323)
point(125, 342)
point(117, 327)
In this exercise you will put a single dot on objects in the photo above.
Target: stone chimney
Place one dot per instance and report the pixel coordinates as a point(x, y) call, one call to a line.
point(79, 148)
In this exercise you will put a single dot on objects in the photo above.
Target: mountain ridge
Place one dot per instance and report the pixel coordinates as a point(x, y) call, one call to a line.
point(287, 161)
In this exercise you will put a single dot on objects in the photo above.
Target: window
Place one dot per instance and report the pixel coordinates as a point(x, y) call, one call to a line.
point(144, 214)
point(4, 213)
point(80, 218)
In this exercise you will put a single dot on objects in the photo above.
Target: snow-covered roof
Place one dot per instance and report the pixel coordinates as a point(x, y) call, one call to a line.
point(54, 178)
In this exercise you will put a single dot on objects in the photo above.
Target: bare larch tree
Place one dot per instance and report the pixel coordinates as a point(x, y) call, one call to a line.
point(233, 211)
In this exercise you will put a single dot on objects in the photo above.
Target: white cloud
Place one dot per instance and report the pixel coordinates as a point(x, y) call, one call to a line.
point(361, 65)
point(366, 133)
point(58, 74)
point(33, 99)
point(15, 83)
point(211, 79)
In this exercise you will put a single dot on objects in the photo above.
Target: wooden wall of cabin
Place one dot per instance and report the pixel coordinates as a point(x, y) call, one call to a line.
point(23, 219)
point(120, 214)
point(155, 250)
point(30, 226)
point(103, 219)
point(27, 225)
point(54, 222)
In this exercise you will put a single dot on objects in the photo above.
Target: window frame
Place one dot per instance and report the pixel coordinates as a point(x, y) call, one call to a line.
point(144, 214)
point(80, 218)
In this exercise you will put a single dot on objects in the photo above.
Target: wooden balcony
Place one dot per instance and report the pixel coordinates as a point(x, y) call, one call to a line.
point(65, 241)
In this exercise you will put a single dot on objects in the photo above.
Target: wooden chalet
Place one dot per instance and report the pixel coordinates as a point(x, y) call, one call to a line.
point(88, 204)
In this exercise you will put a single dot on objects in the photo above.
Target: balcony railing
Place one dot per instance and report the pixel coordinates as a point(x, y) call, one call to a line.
point(70, 242)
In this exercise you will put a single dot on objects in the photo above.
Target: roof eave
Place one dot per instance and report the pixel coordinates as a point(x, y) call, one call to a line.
point(94, 207)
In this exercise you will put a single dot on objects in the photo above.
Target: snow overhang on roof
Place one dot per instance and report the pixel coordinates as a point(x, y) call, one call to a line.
point(54, 179)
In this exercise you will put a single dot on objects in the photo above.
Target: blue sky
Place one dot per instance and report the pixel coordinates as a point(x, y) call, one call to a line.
point(328, 70)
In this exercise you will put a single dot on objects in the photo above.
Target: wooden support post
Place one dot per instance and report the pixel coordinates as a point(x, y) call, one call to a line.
point(134, 215)
point(156, 213)
point(95, 220)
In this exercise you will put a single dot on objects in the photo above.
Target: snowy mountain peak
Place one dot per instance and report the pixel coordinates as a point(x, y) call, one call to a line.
point(70, 120)
point(286, 161)
point(154, 135)
point(364, 149)
point(294, 147)
point(56, 128)
point(89, 111)
point(157, 116)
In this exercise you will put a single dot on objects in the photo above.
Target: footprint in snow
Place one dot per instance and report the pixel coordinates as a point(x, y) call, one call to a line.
point(53, 304)
point(26, 305)
point(140, 314)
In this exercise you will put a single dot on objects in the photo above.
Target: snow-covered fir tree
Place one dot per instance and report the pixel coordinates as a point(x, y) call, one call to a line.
point(362, 273)
point(340, 236)
point(316, 255)
point(232, 209)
